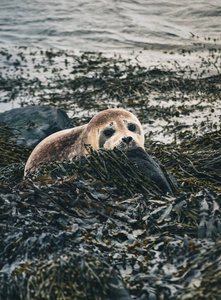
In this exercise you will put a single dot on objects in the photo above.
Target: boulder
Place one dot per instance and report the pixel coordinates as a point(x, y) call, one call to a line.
point(31, 124)
point(153, 170)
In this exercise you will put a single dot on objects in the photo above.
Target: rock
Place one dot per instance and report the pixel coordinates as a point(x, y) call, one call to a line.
point(29, 125)
point(153, 170)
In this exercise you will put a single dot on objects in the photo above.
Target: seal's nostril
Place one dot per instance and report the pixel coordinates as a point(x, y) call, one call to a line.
point(127, 139)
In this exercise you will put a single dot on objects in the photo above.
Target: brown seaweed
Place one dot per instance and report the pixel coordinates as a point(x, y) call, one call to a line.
point(72, 228)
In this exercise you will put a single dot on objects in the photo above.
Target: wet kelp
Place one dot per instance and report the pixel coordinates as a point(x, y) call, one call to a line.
point(10, 152)
point(66, 276)
point(196, 163)
point(98, 227)
point(86, 83)
point(87, 230)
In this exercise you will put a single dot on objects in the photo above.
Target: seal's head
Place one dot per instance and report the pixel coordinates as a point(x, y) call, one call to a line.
point(115, 128)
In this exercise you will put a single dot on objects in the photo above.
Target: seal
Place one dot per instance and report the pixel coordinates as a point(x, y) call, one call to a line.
point(108, 129)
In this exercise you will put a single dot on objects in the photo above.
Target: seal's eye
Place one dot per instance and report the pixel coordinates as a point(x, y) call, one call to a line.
point(109, 132)
point(132, 127)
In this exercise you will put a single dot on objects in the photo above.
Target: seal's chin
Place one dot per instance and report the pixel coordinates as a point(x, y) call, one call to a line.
point(124, 146)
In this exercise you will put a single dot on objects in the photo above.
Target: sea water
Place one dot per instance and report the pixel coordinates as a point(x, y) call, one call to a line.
point(103, 25)
point(175, 34)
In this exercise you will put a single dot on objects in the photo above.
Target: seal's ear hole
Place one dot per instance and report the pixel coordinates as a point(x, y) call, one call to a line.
point(132, 127)
point(109, 132)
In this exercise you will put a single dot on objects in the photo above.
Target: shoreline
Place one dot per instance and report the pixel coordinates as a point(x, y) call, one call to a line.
point(165, 90)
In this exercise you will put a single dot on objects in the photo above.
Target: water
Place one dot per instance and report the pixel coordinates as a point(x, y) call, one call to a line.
point(104, 25)
point(154, 34)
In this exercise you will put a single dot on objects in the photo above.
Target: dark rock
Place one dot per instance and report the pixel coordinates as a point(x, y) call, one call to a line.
point(153, 170)
point(29, 125)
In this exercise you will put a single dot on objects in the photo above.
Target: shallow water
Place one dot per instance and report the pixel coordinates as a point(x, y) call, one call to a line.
point(107, 25)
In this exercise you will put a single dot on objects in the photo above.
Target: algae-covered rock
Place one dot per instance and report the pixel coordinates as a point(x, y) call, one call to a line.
point(132, 171)
point(153, 170)
point(104, 206)
point(66, 227)
point(32, 124)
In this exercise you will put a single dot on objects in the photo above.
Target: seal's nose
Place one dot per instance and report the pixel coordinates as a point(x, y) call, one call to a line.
point(127, 139)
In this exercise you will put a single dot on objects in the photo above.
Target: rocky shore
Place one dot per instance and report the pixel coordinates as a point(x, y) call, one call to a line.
point(98, 227)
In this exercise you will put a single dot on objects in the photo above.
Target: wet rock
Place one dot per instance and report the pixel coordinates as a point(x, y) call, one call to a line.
point(29, 125)
point(153, 170)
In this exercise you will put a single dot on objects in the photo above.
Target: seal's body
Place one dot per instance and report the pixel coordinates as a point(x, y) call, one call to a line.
point(108, 129)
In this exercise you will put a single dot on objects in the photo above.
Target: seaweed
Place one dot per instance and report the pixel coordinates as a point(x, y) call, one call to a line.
point(102, 205)
point(195, 163)
point(66, 276)
point(98, 227)
point(91, 82)
point(10, 152)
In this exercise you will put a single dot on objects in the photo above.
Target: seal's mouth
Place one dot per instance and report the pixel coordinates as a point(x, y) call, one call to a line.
point(127, 143)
